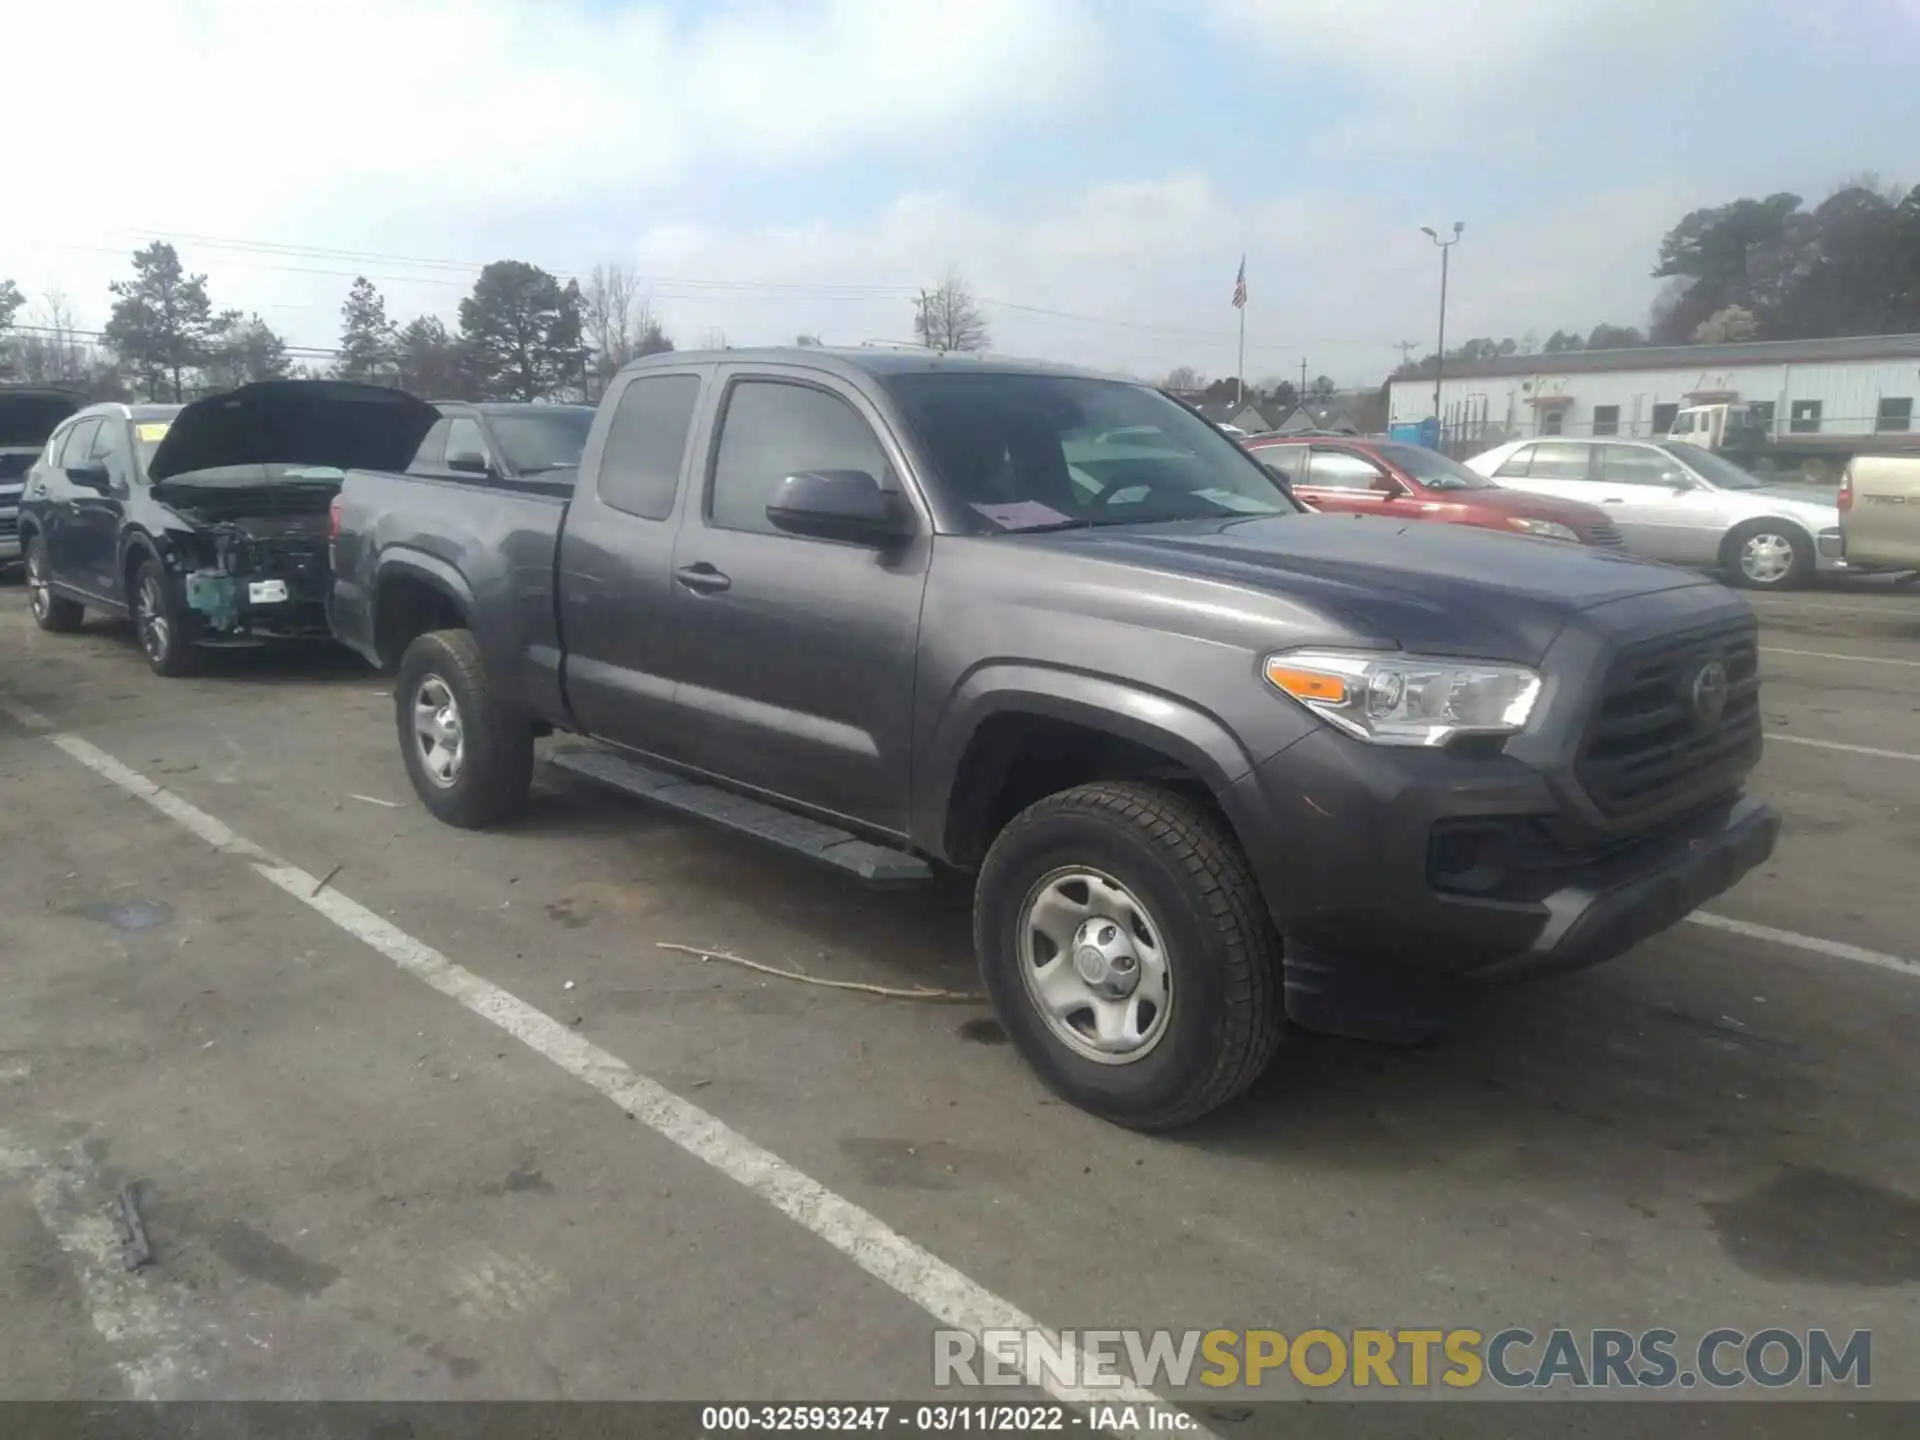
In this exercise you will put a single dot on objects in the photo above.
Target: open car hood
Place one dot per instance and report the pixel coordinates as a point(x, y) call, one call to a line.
point(334, 424)
point(29, 415)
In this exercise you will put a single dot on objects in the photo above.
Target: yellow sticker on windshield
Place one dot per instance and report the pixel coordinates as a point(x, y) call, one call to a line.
point(152, 433)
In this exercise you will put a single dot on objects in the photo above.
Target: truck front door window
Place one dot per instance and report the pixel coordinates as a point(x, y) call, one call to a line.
point(647, 444)
point(773, 429)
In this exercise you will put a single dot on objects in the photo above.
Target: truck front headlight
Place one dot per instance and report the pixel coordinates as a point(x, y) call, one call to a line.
point(1546, 529)
point(1393, 699)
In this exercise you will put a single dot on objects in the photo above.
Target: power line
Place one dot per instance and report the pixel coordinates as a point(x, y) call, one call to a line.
point(735, 288)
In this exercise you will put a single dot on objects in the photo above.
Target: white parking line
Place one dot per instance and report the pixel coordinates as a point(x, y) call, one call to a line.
point(146, 1329)
point(1837, 655)
point(1831, 948)
point(890, 1257)
point(25, 715)
point(1775, 735)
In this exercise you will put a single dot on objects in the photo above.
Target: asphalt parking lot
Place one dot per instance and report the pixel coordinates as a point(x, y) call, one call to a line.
point(361, 1185)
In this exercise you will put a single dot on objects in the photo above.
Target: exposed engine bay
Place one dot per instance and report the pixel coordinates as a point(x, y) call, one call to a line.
point(255, 566)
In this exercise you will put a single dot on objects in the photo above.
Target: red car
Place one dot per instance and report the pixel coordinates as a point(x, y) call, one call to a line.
point(1346, 475)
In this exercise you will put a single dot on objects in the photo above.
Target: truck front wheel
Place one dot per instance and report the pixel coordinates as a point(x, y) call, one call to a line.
point(1126, 949)
point(470, 757)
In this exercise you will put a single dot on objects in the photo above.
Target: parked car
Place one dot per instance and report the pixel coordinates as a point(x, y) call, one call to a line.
point(1880, 511)
point(1209, 757)
point(205, 524)
point(28, 415)
point(1682, 504)
point(1351, 476)
point(504, 440)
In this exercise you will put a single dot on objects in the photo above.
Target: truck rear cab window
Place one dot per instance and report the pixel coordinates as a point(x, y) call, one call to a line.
point(646, 444)
point(773, 429)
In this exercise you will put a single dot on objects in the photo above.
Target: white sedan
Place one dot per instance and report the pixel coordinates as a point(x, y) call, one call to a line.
point(1683, 504)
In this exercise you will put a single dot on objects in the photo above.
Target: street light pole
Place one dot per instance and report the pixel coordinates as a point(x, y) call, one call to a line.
point(1440, 354)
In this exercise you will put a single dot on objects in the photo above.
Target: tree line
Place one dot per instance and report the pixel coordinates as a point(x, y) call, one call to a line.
point(1763, 269)
point(522, 334)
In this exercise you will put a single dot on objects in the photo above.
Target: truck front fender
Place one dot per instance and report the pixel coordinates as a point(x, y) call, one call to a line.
point(1186, 735)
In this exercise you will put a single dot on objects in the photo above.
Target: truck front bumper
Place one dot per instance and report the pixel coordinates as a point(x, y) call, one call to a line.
point(1352, 850)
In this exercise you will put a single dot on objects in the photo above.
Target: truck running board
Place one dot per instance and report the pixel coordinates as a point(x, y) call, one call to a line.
point(877, 865)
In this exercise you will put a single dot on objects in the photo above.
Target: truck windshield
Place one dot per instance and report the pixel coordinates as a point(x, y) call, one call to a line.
point(539, 442)
point(1046, 452)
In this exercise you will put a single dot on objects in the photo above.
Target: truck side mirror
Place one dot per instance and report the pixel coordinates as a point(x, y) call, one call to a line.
point(840, 505)
point(469, 462)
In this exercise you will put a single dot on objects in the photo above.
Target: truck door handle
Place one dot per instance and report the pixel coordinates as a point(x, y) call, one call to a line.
point(702, 579)
point(1613, 500)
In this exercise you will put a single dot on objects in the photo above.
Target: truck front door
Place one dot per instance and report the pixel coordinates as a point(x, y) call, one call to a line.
point(796, 656)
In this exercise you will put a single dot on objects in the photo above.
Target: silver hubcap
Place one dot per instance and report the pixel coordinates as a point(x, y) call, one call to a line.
point(437, 731)
point(1766, 559)
point(1094, 966)
point(150, 615)
point(39, 598)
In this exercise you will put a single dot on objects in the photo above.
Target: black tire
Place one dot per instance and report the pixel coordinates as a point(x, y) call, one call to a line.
point(161, 622)
point(51, 612)
point(1798, 570)
point(1224, 1020)
point(489, 781)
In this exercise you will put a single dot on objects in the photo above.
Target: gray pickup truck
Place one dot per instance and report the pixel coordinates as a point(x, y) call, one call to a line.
point(1214, 761)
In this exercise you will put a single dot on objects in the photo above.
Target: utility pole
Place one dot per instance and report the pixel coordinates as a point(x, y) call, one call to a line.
point(1406, 349)
point(1440, 350)
point(1301, 398)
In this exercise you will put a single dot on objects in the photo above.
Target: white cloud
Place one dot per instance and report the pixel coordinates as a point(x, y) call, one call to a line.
point(359, 122)
point(1137, 276)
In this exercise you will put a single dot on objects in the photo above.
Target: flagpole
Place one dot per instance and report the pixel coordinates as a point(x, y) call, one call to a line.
point(1240, 371)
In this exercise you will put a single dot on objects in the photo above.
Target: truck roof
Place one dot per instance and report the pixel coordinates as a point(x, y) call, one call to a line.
point(873, 360)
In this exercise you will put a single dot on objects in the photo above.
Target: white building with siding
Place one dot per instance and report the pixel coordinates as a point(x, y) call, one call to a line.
point(1854, 386)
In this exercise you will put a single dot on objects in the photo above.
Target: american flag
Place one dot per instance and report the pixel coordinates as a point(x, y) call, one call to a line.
point(1240, 286)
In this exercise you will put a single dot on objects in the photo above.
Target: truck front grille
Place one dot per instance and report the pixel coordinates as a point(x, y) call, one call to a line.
point(1655, 736)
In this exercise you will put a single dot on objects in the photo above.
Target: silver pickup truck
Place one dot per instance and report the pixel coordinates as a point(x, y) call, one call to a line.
point(1880, 511)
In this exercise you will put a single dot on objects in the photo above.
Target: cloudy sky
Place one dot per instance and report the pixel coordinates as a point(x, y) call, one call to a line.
point(1095, 168)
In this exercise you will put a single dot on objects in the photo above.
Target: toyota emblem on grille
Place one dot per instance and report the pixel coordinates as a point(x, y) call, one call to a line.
point(1708, 694)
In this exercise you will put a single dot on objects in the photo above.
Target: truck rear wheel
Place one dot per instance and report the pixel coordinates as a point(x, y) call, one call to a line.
point(470, 757)
point(1127, 952)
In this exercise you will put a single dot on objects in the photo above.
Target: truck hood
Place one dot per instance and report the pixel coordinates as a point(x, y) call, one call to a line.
point(329, 423)
point(1438, 589)
point(29, 416)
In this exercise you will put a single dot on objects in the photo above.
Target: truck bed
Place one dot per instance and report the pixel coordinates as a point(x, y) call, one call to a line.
point(486, 545)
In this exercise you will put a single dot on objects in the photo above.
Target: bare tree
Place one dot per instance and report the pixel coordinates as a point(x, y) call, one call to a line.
point(612, 293)
point(1185, 377)
point(949, 318)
